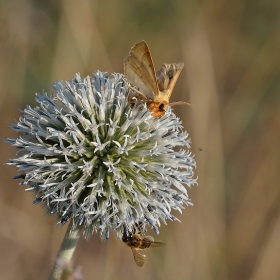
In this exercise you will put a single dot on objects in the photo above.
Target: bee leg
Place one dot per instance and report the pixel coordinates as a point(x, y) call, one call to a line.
point(126, 234)
point(140, 228)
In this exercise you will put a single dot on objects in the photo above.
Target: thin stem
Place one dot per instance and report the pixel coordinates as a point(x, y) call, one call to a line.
point(66, 251)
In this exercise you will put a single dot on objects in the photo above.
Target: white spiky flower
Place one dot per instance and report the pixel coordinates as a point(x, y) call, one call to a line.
point(89, 156)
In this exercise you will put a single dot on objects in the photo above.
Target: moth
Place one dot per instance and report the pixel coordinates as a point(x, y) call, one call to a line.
point(155, 88)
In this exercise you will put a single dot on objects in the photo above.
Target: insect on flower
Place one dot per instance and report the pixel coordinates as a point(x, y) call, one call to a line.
point(155, 87)
point(138, 243)
point(96, 162)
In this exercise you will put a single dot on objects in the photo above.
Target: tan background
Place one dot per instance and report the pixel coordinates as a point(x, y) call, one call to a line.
point(232, 77)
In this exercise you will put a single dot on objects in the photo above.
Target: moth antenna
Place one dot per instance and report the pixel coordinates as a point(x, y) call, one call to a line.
point(180, 103)
point(143, 95)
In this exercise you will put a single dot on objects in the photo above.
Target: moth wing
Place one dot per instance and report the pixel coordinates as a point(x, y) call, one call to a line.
point(167, 77)
point(139, 70)
point(139, 257)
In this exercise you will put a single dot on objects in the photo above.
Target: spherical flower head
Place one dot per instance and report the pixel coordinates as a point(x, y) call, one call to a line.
point(89, 155)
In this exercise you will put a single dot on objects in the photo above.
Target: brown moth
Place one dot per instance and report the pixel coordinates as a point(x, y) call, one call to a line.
point(155, 87)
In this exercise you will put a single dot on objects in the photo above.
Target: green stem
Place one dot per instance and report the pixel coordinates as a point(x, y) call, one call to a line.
point(66, 251)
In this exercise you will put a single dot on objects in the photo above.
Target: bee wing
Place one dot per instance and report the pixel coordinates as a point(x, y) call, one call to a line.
point(157, 244)
point(139, 257)
point(167, 77)
point(149, 242)
point(139, 70)
point(148, 239)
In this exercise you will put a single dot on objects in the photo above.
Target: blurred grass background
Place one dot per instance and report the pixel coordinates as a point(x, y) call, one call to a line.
point(231, 76)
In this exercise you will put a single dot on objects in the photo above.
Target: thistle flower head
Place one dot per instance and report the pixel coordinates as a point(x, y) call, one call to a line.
point(89, 156)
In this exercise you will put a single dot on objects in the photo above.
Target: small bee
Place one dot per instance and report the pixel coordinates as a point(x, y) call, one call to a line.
point(138, 243)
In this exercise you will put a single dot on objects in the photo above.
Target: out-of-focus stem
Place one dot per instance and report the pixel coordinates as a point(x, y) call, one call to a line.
point(66, 251)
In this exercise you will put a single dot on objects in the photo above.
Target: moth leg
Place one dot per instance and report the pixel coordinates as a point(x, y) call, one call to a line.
point(179, 103)
point(133, 89)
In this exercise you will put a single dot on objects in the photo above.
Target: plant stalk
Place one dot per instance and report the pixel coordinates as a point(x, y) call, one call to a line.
point(66, 252)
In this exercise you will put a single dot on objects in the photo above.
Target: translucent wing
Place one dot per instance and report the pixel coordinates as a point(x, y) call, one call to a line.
point(139, 70)
point(148, 239)
point(139, 257)
point(157, 244)
point(148, 242)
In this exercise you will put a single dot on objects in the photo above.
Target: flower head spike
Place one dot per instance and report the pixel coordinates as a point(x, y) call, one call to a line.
point(88, 155)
